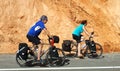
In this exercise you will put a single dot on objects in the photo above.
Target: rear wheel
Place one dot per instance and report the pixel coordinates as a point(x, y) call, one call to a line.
point(56, 61)
point(24, 62)
point(21, 62)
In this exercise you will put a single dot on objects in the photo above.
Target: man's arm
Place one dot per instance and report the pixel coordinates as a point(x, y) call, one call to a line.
point(47, 32)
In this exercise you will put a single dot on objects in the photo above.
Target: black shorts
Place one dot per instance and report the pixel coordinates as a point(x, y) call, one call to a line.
point(77, 38)
point(33, 39)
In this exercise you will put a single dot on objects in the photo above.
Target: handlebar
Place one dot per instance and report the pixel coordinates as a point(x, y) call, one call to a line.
point(91, 35)
point(51, 40)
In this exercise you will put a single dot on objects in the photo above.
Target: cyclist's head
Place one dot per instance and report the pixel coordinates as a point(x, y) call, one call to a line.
point(44, 18)
point(84, 22)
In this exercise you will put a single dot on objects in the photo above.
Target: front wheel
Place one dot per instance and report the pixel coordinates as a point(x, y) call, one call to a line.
point(56, 60)
point(98, 53)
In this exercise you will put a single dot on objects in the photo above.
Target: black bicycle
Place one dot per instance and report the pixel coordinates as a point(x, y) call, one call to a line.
point(90, 48)
point(51, 57)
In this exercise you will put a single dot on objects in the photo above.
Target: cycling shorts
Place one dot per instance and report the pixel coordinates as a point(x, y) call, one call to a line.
point(77, 38)
point(33, 39)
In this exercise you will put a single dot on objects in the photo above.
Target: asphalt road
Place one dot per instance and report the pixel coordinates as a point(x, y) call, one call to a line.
point(110, 62)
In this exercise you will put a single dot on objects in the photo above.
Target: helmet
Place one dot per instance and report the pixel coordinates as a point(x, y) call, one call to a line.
point(43, 17)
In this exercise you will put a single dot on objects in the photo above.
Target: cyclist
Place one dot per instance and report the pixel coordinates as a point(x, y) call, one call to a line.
point(35, 31)
point(76, 34)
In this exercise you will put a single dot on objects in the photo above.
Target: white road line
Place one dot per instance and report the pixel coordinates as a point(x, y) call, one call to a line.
point(60, 68)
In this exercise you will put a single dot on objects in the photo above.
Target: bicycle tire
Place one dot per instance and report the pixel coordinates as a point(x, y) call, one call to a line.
point(23, 63)
point(99, 51)
point(56, 61)
point(99, 48)
point(74, 50)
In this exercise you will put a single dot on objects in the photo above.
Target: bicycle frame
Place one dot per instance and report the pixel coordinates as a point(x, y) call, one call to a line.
point(84, 46)
point(51, 43)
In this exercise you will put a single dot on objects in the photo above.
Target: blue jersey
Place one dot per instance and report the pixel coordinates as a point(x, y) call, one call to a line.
point(78, 30)
point(36, 29)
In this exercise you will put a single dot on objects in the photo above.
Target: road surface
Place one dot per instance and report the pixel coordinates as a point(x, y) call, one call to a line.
point(110, 62)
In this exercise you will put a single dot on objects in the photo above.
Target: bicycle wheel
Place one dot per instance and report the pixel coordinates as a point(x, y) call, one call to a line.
point(99, 49)
point(24, 62)
point(98, 52)
point(74, 50)
point(56, 61)
point(21, 62)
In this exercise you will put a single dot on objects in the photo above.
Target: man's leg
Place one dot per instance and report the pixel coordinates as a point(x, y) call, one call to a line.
point(40, 46)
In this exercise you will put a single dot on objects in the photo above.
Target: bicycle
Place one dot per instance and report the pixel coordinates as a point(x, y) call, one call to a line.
point(92, 49)
point(86, 50)
point(49, 59)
